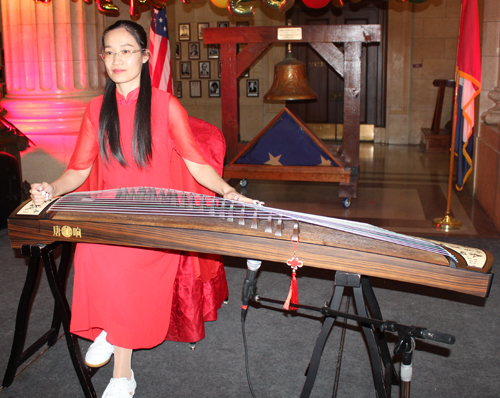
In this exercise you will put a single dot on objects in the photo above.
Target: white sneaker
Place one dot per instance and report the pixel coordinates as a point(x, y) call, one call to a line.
point(99, 352)
point(120, 388)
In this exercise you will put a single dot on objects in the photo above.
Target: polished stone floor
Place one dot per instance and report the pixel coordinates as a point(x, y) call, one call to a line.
point(401, 188)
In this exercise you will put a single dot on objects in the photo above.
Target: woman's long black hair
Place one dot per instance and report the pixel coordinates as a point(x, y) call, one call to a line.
point(109, 124)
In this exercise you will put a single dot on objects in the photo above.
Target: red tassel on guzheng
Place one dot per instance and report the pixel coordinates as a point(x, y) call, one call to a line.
point(293, 294)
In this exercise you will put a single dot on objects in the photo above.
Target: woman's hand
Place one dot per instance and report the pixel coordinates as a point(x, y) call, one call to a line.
point(68, 182)
point(41, 193)
point(233, 195)
point(208, 177)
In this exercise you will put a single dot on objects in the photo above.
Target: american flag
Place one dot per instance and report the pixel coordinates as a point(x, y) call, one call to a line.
point(469, 87)
point(159, 47)
point(298, 149)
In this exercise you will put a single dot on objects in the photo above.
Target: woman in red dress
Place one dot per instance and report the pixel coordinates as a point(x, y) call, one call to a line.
point(122, 295)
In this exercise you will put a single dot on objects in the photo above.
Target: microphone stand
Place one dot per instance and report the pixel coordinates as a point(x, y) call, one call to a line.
point(249, 289)
point(249, 285)
point(405, 346)
point(406, 336)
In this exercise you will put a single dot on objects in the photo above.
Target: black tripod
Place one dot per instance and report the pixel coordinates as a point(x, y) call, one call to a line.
point(374, 328)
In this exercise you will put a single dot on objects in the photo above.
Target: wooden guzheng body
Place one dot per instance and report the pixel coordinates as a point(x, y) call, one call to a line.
point(154, 218)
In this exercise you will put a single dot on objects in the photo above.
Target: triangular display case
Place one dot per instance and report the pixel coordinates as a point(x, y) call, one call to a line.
point(286, 149)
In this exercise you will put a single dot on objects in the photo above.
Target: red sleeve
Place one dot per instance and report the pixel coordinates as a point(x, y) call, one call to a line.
point(87, 146)
point(180, 132)
point(210, 141)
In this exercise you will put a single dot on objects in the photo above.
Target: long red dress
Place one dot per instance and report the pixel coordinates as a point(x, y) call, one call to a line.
point(200, 285)
point(128, 291)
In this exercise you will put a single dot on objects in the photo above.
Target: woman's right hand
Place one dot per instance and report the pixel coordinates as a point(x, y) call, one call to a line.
point(41, 193)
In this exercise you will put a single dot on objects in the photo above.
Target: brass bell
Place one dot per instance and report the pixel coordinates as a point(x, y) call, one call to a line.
point(290, 80)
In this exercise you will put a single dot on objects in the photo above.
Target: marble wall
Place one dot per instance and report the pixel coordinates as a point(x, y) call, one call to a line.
point(434, 46)
point(487, 152)
point(399, 48)
point(487, 171)
point(422, 47)
point(489, 108)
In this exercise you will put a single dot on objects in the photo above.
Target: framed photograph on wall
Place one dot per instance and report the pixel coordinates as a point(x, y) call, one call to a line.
point(185, 70)
point(195, 88)
point(213, 51)
point(194, 50)
point(178, 50)
point(252, 88)
point(242, 24)
point(223, 24)
point(214, 88)
point(184, 31)
point(204, 68)
point(201, 26)
point(178, 89)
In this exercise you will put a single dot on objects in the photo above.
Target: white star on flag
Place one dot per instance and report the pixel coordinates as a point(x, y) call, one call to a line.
point(274, 160)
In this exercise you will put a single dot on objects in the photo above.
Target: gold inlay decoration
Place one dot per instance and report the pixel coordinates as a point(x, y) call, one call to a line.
point(66, 231)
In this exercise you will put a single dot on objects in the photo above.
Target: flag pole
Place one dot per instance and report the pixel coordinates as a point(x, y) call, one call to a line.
point(448, 222)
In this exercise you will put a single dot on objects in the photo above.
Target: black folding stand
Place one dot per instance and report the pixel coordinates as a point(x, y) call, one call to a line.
point(378, 349)
point(374, 328)
point(62, 314)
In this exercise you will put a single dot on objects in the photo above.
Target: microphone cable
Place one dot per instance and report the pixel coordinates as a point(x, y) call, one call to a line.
point(249, 287)
point(247, 367)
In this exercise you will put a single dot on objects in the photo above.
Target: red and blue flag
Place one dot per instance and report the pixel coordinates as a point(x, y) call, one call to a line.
point(468, 79)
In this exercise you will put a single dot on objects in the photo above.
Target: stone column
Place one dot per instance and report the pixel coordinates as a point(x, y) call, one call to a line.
point(52, 70)
point(487, 149)
point(399, 58)
point(490, 76)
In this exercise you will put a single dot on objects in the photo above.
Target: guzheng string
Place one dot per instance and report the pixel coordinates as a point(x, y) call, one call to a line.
point(168, 202)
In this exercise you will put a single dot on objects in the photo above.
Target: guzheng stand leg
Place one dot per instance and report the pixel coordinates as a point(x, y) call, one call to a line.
point(17, 356)
point(312, 370)
point(377, 345)
point(391, 376)
point(62, 314)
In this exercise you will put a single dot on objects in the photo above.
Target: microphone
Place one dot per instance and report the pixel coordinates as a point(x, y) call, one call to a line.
point(249, 285)
point(438, 336)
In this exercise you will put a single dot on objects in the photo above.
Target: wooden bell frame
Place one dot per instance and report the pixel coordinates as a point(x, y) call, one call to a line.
point(347, 65)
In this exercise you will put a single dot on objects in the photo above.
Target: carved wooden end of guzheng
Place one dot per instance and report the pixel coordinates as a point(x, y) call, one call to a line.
point(157, 218)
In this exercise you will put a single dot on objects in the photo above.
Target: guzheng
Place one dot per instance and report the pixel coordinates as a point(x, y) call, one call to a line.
point(158, 218)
